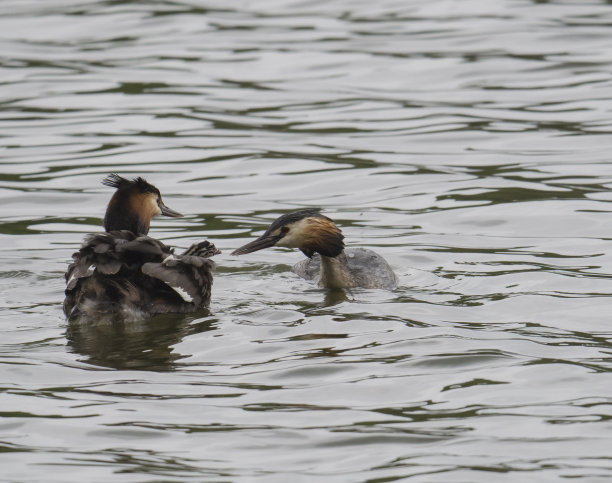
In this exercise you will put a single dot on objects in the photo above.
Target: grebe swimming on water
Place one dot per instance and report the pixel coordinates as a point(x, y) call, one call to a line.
point(123, 274)
point(328, 262)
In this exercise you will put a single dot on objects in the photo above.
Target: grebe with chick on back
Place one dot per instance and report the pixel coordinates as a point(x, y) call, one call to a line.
point(328, 262)
point(123, 274)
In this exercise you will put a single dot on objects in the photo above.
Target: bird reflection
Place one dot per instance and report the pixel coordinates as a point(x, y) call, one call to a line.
point(334, 297)
point(143, 346)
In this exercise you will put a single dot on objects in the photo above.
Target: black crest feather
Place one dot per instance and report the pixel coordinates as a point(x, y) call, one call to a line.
point(295, 216)
point(113, 180)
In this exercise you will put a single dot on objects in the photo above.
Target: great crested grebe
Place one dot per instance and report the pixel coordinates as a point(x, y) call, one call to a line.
point(124, 275)
point(328, 262)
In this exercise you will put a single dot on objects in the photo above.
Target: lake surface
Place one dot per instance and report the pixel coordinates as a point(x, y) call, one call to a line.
point(468, 142)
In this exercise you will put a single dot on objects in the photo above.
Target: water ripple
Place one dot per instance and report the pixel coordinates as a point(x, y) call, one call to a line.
point(465, 142)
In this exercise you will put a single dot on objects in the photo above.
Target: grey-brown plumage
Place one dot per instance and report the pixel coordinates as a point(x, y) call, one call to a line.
point(328, 263)
point(367, 269)
point(123, 274)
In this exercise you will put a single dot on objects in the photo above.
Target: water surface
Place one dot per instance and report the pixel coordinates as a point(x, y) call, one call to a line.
point(466, 142)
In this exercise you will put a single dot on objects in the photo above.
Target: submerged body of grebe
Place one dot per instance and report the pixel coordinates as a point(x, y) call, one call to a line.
point(328, 263)
point(123, 274)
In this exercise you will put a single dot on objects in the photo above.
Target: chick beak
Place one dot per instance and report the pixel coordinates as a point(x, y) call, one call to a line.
point(167, 211)
point(264, 241)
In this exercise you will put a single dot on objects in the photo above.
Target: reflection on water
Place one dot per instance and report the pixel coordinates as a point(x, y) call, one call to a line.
point(148, 345)
point(334, 297)
point(467, 142)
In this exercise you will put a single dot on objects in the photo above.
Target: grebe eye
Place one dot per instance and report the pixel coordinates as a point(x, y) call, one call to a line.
point(285, 230)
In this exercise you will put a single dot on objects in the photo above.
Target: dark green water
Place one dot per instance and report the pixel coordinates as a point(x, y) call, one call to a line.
point(468, 142)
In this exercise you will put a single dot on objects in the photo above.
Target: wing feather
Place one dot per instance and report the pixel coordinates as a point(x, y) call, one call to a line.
point(189, 276)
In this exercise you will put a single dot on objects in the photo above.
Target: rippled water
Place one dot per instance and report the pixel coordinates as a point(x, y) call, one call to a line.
point(466, 141)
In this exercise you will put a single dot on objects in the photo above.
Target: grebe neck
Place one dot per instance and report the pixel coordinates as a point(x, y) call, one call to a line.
point(335, 272)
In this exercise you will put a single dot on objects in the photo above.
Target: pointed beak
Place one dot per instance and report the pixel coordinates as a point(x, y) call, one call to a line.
point(168, 212)
point(264, 241)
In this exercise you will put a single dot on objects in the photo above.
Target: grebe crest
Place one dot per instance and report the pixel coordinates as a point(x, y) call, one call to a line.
point(123, 274)
point(318, 237)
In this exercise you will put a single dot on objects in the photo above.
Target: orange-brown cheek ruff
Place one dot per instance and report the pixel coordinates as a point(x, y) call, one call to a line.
point(322, 236)
point(146, 205)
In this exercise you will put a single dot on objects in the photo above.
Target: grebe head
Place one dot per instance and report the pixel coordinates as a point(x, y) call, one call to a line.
point(307, 230)
point(133, 205)
point(203, 249)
